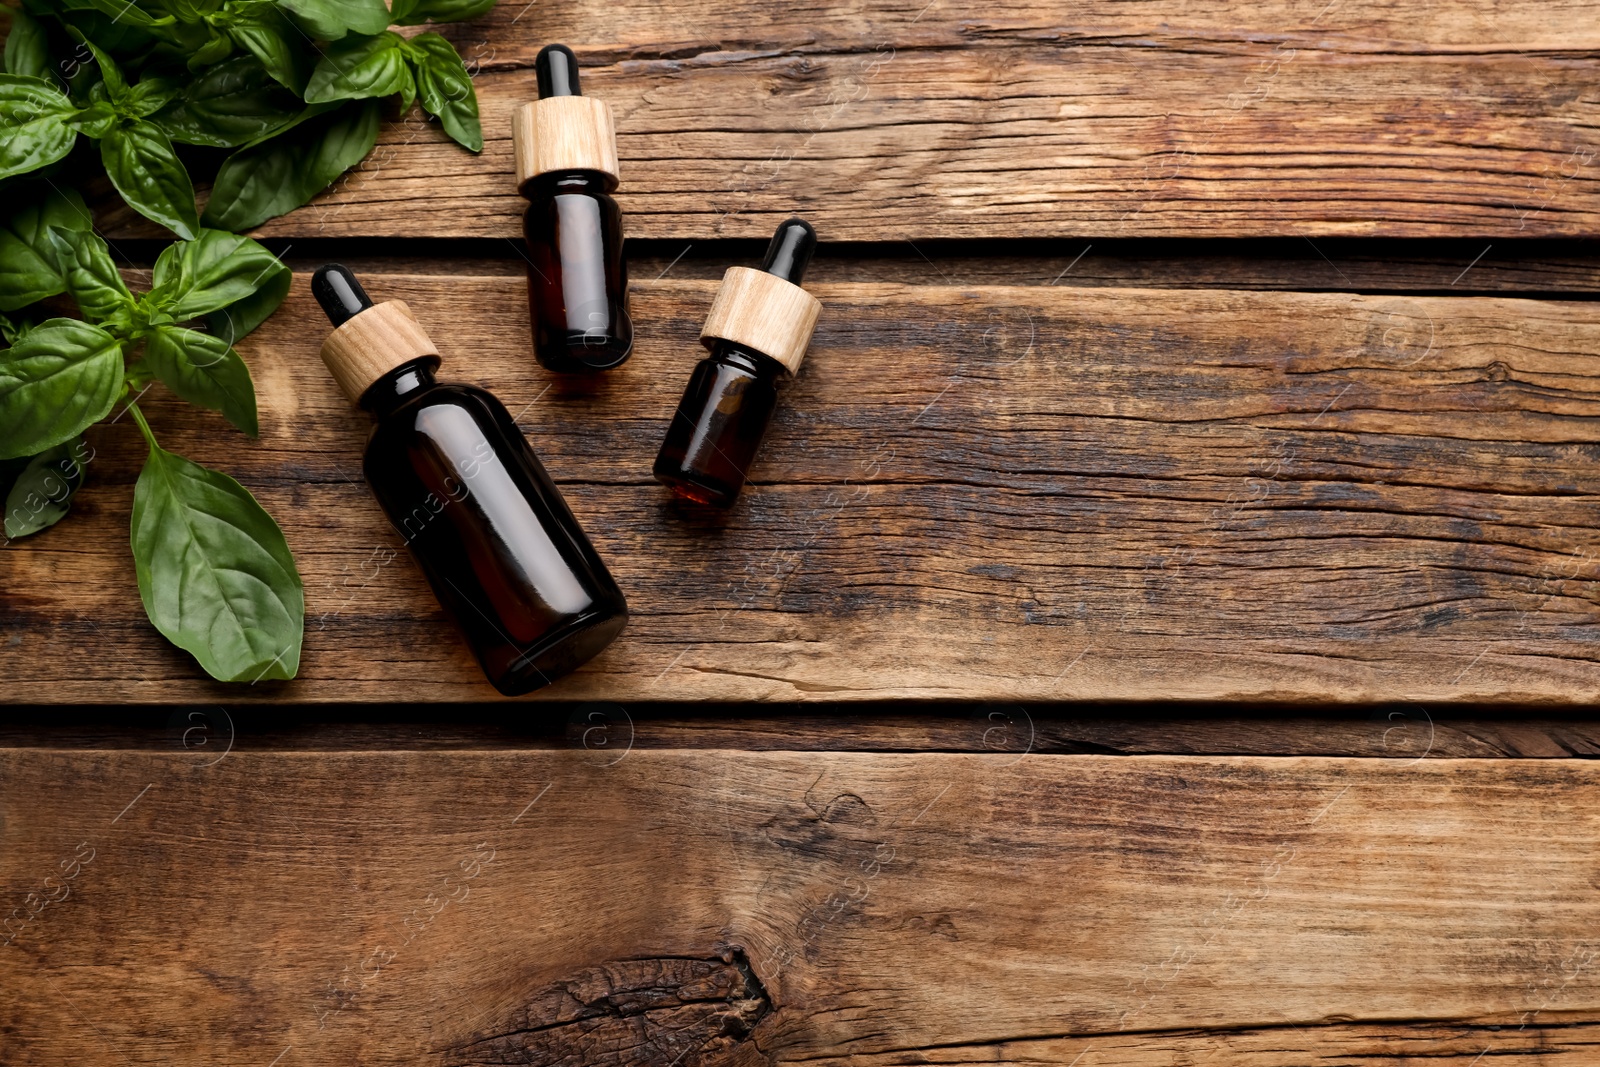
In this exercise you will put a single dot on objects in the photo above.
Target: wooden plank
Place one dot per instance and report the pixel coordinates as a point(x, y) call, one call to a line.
point(982, 493)
point(512, 33)
point(904, 120)
point(777, 908)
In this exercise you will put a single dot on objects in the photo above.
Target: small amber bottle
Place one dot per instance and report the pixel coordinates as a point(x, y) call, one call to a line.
point(566, 149)
point(758, 330)
point(503, 553)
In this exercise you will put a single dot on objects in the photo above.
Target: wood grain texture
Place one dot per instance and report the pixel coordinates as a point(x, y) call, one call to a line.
point(977, 493)
point(777, 908)
point(894, 120)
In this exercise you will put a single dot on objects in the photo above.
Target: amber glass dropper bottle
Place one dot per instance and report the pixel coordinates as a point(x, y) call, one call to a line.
point(566, 149)
point(758, 330)
point(502, 551)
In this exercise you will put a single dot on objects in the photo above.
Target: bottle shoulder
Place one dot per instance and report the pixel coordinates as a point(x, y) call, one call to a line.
point(757, 364)
point(404, 416)
point(594, 183)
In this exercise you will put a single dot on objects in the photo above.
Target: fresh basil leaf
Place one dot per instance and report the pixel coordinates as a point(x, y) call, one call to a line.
point(184, 11)
point(120, 11)
point(446, 88)
point(96, 120)
point(218, 46)
point(27, 47)
point(332, 19)
point(215, 572)
point(34, 114)
point(269, 179)
point(233, 102)
point(359, 67)
point(239, 318)
point(42, 493)
point(211, 272)
point(416, 12)
point(408, 91)
point(267, 34)
point(142, 166)
point(55, 382)
point(29, 267)
point(205, 371)
point(92, 279)
point(129, 35)
point(110, 73)
point(151, 95)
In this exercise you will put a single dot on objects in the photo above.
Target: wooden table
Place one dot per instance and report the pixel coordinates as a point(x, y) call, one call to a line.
point(1239, 358)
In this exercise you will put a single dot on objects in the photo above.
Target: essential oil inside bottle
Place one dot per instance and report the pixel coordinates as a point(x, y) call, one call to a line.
point(566, 169)
point(503, 553)
point(757, 332)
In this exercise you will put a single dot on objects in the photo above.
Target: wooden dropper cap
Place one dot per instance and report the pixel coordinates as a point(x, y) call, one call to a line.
point(369, 340)
point(563, 129)
point(766, 309)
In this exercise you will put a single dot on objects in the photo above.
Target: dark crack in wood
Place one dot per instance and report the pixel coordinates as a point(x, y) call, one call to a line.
point(650, 1012)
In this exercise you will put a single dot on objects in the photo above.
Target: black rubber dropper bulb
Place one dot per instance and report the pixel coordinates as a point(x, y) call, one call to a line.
point(340, 295)
point(790, 251)
point(557, 70)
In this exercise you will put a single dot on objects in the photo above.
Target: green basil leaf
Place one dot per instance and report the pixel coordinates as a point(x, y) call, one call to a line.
point(215, 572)
point(142, 166)
point(416, 12)
point(218, 46)
point(27, 48)
point(205, 371)
point(92, 279)
point(29, 267)
point(263, 181)
point(408, 92)
point(120, 11)
point(151, 95)
point(359, 67)
point(269, 36)
point(233, 102)
point(211, 272)
point(42, 493)
point(110, 73)
point(446, 88)
point(239, 318)
point(332, 19)
point(186, 12)
point(34, 115)
point(96, 120)
point(54, 383)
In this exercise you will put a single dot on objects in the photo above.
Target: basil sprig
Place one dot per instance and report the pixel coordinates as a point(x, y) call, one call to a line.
point(215, 573)
point(292, 87)
point(359, 67)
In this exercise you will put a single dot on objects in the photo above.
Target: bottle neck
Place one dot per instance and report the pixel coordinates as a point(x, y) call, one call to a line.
point(399, 385)
point(748, 359)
